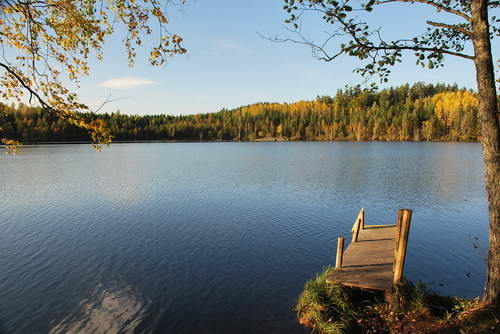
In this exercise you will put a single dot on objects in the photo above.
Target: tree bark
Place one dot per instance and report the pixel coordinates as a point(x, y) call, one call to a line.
point(490, 127)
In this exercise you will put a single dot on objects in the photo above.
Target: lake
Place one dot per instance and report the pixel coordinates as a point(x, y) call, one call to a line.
point(219, 237)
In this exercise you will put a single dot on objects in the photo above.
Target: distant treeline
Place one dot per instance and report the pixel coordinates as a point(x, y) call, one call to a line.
point(418, 112)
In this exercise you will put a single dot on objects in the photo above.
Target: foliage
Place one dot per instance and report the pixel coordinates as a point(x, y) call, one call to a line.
point(48, 42)
point(466, 29)
point(356, 38)
point(332, 308)
point(11, 146)
point(419, 112)
point(326, 308)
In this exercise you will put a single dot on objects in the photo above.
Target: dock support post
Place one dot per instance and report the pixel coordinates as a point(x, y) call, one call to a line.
point(340, 253)
point(397, 237)
point(402, 232)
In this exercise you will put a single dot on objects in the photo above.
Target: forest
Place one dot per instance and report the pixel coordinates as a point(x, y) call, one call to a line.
point(421, 112)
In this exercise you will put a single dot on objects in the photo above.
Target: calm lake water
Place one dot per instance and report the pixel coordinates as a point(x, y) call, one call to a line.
point(219, 237)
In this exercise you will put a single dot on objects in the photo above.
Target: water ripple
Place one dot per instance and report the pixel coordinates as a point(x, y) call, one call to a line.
point(179, 238)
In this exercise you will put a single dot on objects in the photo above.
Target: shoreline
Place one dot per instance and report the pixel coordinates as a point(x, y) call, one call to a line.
point(262, 140)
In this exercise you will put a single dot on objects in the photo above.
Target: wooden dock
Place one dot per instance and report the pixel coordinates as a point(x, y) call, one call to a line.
point(375, 258)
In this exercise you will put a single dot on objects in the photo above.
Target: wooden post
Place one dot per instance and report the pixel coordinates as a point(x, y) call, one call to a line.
point(362, 216)
point(398, 235)
point(402, 245)
point(340, 253)
point(356, 230)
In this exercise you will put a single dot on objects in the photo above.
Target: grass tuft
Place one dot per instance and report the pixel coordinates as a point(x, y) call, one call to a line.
point(330, 308)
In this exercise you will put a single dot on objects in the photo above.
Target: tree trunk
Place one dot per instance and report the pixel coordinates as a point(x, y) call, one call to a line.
point(488, 113)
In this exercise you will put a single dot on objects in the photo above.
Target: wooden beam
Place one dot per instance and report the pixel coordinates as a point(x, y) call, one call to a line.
point(356, 230)
point(402, 245)
point(367, 227)
point(362, 216)
point(340, 253)
point(399, 220)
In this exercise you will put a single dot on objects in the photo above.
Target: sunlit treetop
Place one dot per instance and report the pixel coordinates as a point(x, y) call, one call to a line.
point(44, 41)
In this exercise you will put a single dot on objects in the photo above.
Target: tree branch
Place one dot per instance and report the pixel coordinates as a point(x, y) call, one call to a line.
point(384, 46)
point(451, 27)
point(432, 3)
point(32, 92)
point(413, 48)
point(49, 108)
point(304, 41)
point(109, 100)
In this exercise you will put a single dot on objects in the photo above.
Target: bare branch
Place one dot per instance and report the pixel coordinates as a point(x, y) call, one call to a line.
point(304, 41)
point(109, 100)
point(432, 3)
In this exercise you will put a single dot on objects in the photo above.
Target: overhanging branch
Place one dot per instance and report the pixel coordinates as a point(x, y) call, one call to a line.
point(431, 3)
point(451, 27)
point(32, 92)
point(348, 28)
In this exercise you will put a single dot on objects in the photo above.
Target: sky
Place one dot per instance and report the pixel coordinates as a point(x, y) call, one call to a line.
point(229, 64)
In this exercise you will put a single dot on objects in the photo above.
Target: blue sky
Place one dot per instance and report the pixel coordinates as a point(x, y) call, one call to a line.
point(228, 64)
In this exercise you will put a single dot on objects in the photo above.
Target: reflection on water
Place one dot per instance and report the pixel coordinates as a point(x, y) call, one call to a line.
point(219, 237)
point(107, 311)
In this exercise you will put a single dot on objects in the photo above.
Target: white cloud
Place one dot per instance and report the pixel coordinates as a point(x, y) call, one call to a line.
point(125, 83)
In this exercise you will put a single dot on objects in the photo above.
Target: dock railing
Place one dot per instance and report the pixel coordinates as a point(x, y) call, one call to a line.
point(359, 224)
point(400, 238)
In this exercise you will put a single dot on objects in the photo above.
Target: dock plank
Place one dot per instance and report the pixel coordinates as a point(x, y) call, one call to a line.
point(368, 263)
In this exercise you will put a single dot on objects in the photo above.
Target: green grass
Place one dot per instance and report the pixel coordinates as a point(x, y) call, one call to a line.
point(329, 308)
